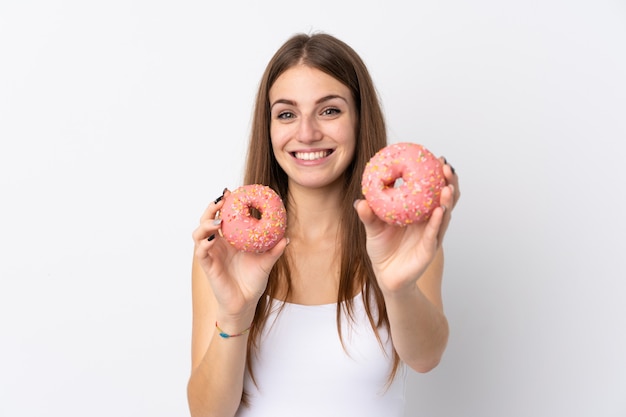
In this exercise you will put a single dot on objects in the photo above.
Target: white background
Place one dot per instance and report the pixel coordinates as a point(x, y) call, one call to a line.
point(121, 120)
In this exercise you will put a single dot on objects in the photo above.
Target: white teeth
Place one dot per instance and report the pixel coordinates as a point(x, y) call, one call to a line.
point(310, 156)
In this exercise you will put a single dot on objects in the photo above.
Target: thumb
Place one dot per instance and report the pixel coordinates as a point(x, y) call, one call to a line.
point(279, 248)
point(271, 256)
point(373, 225)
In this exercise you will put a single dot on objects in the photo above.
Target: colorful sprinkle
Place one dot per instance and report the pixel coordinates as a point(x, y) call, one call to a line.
point(415, 197)
point(242, 229)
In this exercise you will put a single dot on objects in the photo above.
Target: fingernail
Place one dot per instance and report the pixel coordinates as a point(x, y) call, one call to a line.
point(210, 238)
point(218, 199)
point(453, 170)
point(217, 222)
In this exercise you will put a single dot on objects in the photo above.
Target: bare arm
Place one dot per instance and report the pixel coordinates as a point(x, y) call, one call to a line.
point(419, 328)
point(226, 286)
point(216, 382)
point(408, 263)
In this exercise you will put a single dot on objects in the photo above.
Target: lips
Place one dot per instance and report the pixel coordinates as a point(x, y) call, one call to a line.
point(312, 156)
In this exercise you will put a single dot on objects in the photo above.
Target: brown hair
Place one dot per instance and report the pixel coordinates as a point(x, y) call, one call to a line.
point(334, 57)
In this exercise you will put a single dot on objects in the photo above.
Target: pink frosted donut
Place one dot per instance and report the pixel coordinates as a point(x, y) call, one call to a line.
point(244, 230)
point(402, 183)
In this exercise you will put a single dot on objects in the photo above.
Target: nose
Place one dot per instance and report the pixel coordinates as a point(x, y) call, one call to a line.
point(308, 130)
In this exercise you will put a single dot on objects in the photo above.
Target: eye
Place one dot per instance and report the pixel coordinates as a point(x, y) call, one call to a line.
point(331, 111)
point(285, 115)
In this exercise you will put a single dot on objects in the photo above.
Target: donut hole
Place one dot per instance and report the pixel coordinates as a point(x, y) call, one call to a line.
point(254, 212)
point(399, 182)
point(395, 183)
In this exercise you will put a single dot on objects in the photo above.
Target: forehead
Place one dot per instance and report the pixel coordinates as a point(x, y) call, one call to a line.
point(301, 82)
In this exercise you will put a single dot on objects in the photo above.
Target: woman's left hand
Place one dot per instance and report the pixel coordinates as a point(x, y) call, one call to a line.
point(401, 254)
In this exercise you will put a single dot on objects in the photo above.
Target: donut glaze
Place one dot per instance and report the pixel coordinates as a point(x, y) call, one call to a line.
point(245, 231)
point(402, 183)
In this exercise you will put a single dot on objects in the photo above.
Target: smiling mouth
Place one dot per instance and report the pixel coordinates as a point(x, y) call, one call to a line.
point(312, 156)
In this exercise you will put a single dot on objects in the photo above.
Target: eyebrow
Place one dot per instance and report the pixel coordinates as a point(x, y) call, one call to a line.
point(321, 100)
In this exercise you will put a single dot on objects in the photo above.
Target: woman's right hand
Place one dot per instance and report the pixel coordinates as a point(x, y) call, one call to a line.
point(237, 278)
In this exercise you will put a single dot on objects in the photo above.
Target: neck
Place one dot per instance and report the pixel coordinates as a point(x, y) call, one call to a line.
point(313, 229)
point(314, 213)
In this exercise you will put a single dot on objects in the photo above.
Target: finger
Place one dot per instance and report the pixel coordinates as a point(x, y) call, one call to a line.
point(452, 178)
point(448, 169)
point(206, 229)
point(456, 194)
point(373, 225)
point(432, 236)
point(446, 202)
point(218, 199)
point(212, 209)
point(203, 249)
point(446, 197)
point(449, 172)
point(206, 237)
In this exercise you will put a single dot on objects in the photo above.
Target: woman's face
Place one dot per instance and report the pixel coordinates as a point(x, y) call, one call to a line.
point(313, 126)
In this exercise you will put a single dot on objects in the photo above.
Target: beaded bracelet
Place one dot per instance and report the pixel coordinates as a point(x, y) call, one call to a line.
point(225, 335)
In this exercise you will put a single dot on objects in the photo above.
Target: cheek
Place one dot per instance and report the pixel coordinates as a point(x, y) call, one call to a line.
point(277, 136)
point(278, 142)
point(349, 141)
point(351, 150)
point(274, 140)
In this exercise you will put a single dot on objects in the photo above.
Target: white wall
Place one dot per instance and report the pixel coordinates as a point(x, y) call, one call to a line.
point(121, 120)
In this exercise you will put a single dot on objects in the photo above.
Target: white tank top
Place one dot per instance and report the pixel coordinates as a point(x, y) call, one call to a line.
point(303, 370)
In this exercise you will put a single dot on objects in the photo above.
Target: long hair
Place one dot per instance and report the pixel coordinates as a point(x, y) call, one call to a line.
point(335, 58)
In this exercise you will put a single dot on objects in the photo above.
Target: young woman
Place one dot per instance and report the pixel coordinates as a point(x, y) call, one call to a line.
point(324, 323)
